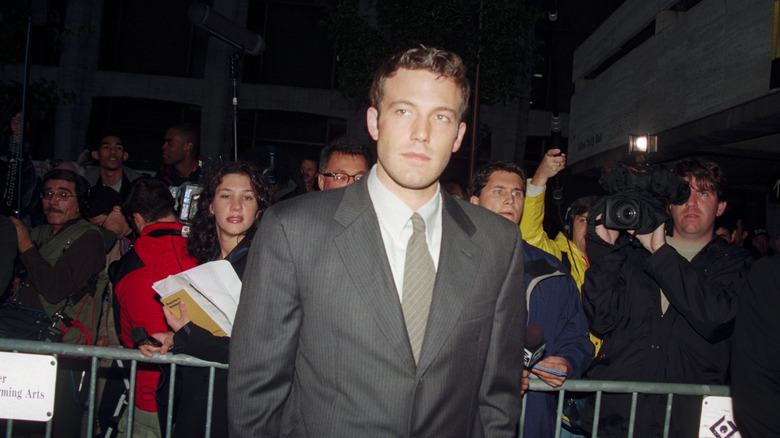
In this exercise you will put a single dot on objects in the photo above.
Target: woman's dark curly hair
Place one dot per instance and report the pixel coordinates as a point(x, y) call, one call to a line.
point(203, 243)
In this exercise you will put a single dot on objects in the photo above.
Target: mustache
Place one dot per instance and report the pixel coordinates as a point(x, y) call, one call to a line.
point(52, 209)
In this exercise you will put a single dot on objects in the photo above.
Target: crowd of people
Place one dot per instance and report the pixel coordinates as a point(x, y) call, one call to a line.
point(388, 304)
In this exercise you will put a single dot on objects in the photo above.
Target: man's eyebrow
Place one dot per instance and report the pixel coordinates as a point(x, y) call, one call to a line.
point(57, 189)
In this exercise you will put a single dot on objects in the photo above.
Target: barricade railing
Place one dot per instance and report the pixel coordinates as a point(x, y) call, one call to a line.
point(619, 387)
point(135, 356)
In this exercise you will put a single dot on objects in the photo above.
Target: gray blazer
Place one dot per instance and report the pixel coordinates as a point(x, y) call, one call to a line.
point(319, 345)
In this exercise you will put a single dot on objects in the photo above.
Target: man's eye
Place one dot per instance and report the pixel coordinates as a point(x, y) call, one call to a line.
point(517, 194)
point(442, 118)
point(498, 192)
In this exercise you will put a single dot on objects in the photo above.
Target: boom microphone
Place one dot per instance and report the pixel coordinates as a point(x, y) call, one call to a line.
point(221, 27)
point(140, 336)
point(534, 345)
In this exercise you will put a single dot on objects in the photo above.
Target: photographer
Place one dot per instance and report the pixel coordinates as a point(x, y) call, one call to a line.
point(665, 305)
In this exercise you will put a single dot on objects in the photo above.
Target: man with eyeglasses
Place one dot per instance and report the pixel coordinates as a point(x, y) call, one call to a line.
point(64, 262)
point(342, 162)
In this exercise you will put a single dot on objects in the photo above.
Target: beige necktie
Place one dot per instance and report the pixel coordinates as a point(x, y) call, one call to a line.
point(419, 276)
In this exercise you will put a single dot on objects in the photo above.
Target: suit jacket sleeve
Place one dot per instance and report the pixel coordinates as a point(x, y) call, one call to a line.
point(499, 404)
point(265, 335)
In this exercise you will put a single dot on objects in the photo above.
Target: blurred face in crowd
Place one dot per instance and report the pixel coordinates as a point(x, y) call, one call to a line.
point(579, 229)
point(694, 221)
point(343, 170)
point(724, 233)
point(60, 204)
point(503, 194)
point(417, 128)
point(309, 170)
point(111, 153)
point(761, 243)
point(234, 207)
point(174, 148)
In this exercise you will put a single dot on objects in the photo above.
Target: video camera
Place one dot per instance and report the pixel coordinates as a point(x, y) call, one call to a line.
point(638, 197)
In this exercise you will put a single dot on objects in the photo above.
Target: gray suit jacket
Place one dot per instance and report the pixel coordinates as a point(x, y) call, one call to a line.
point(319, 345)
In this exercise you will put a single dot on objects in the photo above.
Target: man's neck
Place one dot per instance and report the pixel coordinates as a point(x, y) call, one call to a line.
point(692, 240)
point(413, 198)
point(186, 167)
point(110, 177)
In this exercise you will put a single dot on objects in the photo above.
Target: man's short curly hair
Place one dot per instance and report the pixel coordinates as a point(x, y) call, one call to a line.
point(437, 61)
point(708, 174)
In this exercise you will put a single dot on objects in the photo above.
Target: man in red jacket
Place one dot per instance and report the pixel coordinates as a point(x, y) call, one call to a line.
point(159, 251)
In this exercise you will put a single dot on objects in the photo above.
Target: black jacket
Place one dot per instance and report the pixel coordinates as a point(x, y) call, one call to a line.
point(690, 343)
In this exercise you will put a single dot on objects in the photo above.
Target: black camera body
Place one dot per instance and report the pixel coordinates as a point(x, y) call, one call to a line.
point(638, 197)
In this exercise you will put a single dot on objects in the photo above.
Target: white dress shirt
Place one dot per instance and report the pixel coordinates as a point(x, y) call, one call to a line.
point(395, 223)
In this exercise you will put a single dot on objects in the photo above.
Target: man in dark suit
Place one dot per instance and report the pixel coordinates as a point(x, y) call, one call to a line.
point(387, 308)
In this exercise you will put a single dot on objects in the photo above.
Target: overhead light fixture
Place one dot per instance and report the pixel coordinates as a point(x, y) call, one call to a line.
point(642, 144)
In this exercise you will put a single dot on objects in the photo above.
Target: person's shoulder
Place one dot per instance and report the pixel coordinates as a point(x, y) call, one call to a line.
point(532, 253)
point(481, 218)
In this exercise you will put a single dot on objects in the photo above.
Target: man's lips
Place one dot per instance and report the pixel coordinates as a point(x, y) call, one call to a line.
point(416, 156)
point(53, 210)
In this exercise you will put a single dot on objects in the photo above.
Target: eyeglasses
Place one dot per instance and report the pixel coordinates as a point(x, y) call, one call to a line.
point(344, 177)
point(59, 196)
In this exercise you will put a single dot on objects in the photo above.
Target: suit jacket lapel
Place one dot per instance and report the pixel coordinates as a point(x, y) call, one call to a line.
point(454, 283)
point(362, 250)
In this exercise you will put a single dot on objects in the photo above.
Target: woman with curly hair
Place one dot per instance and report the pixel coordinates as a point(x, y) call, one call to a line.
point(229, 210)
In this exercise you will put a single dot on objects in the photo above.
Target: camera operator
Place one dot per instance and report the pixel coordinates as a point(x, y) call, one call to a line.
point(665, 305)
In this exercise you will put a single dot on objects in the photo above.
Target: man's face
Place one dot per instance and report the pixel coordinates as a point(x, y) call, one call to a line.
point(724, 233)
point(579, 228)
point(309, 170)
point(111, 153)
point(503, 194)
point(416, 128)
point(60, 211)
point(354, 166)
point(694, 221)
point(174, 148)
point(761, 243)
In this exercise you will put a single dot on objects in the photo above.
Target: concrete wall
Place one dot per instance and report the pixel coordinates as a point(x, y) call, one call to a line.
point(711, 58)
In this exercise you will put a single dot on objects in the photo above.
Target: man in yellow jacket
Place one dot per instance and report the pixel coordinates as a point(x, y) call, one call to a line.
point(568, 246)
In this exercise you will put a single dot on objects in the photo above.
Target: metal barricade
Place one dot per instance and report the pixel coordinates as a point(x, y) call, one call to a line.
point(613, 387)
point(133, 356)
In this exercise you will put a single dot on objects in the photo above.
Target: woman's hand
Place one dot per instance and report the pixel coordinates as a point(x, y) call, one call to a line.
point(177, 323)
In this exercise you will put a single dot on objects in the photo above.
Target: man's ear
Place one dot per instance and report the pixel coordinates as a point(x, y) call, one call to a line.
point(372, 122)
point(138, 222)
point(95, 156)
point(474, 200)
point(125, 156)
point(321, 181)
point(721, 208)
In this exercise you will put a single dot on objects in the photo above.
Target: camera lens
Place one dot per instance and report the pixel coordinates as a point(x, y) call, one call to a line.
point(626, 214)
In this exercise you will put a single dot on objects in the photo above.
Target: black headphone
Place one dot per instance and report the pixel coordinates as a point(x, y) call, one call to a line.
point(568, 222)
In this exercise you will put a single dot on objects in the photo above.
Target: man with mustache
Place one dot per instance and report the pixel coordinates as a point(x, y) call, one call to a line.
point(665, 305)
point(64, 260)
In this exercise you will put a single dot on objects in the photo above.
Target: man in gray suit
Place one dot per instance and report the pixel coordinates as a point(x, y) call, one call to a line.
point(386, 308)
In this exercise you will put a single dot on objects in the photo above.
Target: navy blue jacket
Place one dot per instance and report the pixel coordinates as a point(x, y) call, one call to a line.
point(555, 306)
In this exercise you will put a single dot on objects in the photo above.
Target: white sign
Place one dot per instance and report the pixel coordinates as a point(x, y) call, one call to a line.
point(717, 418)
point(27, 386)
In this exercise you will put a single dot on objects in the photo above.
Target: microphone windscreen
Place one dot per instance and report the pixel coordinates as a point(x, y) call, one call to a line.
point(139, 335)
point(220, 26)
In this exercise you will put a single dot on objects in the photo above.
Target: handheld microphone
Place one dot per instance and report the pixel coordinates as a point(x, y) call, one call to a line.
point(534, 345)
point(140, 336)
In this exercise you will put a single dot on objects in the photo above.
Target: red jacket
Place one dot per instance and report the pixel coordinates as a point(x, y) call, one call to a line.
point(161, 254)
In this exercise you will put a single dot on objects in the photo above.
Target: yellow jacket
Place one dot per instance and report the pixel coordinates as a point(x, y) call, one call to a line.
point(533, 233)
